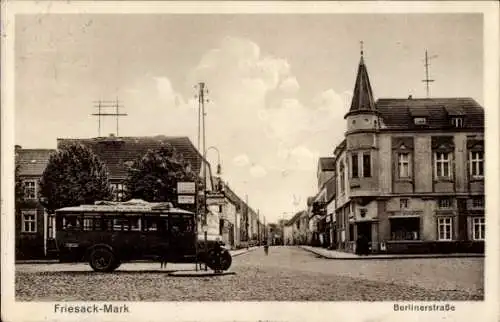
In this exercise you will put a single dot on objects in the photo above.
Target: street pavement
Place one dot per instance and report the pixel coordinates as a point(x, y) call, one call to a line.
point(287, 274)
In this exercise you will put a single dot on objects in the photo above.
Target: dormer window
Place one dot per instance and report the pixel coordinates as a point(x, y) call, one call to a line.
point(457, 122)
point(420, 120)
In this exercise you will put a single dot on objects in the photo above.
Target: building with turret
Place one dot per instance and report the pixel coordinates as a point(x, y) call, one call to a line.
point(410, 173)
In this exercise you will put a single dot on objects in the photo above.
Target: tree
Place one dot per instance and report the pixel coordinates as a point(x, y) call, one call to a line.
point(154, 176)
point(73, 176)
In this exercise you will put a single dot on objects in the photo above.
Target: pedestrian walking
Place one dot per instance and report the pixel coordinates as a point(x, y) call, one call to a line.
point(266, 248)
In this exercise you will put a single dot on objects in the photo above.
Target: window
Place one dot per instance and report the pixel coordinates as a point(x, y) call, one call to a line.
point(442, 165)
point(457, 121)
point(478, 228)
point(367, 167)
point(478, 203)
point(342, 177)
point(354, 165)
point(420, 120)
point(30, 189)
point(404, 165)
point(28, 221)
point(444, 203)
point(121, 224)
point(71, 222)
point(118, 190)
point(51, 227)
point(403, 203)
point(362, 212)
point(444, 228)
point(476, 164)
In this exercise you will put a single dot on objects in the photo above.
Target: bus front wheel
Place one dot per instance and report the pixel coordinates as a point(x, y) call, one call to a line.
point(103, 260)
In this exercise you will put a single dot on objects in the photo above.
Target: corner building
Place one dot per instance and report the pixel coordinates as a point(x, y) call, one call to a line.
point(410, 174)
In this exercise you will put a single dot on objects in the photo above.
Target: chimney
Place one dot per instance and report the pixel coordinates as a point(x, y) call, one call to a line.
point(111, 135)
point(18, 147)
point(410, 97)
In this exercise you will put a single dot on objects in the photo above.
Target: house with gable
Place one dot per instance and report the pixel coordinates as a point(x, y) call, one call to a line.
point(34, 228)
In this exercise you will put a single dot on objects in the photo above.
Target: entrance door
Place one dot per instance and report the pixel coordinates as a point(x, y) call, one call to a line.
point(365, 229)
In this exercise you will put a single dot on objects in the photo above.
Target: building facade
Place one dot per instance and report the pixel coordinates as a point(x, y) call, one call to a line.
point(34, 228)
point(410, 173)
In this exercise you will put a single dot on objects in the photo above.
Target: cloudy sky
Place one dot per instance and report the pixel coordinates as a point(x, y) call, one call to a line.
point(279, 85)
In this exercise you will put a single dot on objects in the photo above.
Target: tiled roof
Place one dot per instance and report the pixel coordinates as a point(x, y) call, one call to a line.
point(327, 164)
point(119, 152)
point(399, 113)
point(294, 218)
point(32, 162)
point(362, 97)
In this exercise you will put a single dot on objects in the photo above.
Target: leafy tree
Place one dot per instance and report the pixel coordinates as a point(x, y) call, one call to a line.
point(154, 176)
point(73, 176)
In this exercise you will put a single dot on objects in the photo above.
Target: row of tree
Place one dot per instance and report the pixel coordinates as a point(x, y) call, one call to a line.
point(75, 175)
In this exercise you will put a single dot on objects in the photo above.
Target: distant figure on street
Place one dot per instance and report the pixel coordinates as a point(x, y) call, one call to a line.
point(163, 262)
point(266, 247)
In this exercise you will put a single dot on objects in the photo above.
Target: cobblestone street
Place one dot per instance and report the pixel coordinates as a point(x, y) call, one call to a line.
point(287, 274)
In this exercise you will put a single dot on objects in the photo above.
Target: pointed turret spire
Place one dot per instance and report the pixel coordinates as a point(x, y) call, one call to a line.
point(362, 97)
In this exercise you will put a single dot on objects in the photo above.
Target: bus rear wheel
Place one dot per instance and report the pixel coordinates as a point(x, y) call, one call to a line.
point(103, 260)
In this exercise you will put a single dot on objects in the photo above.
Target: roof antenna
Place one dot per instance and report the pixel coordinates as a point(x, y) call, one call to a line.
point(427, 64)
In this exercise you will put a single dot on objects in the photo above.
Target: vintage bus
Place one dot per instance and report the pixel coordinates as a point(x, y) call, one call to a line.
point(108, 233)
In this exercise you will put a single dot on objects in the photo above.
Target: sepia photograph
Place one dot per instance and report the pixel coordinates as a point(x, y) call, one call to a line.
point(223, 156)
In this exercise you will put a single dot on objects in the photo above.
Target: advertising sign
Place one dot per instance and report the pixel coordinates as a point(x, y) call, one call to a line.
point(186, 187)
point(216, 199)
point(185, 199)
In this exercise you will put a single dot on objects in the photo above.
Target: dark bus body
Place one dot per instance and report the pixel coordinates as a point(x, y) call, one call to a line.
point(109, 233)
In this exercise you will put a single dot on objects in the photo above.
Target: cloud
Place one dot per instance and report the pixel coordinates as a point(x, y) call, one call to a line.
point(258, 171)
point(241, 160)
point(256, 116)
point(289, 85)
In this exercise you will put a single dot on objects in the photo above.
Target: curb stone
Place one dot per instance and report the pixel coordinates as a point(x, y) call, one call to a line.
point(350, 256)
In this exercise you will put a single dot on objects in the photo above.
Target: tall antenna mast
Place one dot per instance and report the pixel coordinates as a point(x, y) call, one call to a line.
point(427, 64)
point(108, 104)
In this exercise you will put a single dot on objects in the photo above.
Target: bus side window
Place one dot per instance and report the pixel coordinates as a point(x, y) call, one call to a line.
point(150, 224)
point(71, 222)
point(135, 223)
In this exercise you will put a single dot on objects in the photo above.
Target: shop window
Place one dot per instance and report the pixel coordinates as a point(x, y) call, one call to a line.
point(445, 228)
point(478, 228)
point(405, 228)
point(28, 221)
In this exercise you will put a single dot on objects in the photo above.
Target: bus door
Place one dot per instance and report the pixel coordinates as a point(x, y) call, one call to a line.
point(155, 241)
point(182, 235)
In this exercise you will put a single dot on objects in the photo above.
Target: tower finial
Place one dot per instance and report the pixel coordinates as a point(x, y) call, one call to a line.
point(361, 47)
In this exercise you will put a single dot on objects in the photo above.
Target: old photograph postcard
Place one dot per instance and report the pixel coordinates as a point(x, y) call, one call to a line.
point(249, 161)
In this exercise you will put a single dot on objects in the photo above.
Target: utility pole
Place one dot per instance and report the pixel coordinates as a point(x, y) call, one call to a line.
point(106, 105)
point(427, 64)
point(201, 111)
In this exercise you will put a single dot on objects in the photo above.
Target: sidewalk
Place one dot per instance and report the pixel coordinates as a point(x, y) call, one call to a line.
point(234, 253)
point(334, 254)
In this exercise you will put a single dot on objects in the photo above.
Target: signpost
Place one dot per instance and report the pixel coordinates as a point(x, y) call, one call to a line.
point(186, 193)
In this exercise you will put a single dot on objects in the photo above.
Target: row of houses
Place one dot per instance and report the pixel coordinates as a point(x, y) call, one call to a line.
point(408, 176)
point(35, 229)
